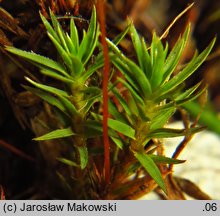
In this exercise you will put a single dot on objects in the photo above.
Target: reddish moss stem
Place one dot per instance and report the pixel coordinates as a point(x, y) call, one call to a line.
point(15, 150)
point(101, 15)
point(2, 195)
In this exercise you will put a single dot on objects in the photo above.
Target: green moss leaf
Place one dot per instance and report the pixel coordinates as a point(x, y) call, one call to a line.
point(74, 35)
point(169, 132)
point(147, 67)
point(41, 60)
point(151, 168)
point(92, 69)
point(77, 68)
point(47, 88)
point(187, 71)
point(161, 118)
point(51, 73)
point(115, 113)
point(71, 109)
point(62, 52)
point(175, 55)
point(158, 56)
point(140, 78)
point(118, 142)
point(137, 46)
point(89, 40)
point(49, 27)
point(128, 74)
point(133, 92)
point(123, 103)
point(48, 98)
point(83, 154)
point(165, 160)
point(68, 162)
point(121, 36)
point(122, 128)
point(118, 126)
point(56, 134)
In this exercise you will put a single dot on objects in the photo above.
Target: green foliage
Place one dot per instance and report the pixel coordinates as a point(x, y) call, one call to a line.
point(73, 71)
point(68, 162)
point(59, 133)
point(153, 92)
point(150, 167)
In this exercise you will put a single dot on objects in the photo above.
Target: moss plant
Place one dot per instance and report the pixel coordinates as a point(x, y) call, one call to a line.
point(138, 114)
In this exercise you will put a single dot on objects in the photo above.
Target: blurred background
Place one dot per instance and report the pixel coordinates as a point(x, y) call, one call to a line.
point(21, 169)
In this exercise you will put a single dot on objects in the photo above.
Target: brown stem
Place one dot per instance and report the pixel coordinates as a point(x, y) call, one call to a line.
point(101, 15)
point(16, 151)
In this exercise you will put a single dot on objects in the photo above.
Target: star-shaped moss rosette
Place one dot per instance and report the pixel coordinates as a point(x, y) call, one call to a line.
point(74, 69)
point(154, 93)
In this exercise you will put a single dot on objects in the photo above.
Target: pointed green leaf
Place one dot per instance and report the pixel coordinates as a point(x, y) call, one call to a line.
point(92, 69)
point(89, 40)
point(68, 162)
point(165, 160)
point(94, 128)
point(185, 100)
point(49, 27)
point(48, 98)
point(92, 35)
point(118, 142)
point(121, 36)
point(188, 92)
point(187, 71)
point(136, 96)
point(33, 57)
point(47, 88)
point(92, 91)
point(147, 67)
point(161, 119)
point(169, 132)
point(89, 103)
point(140, 78)
point(137, 46)
point(56, 134)
point(129, 76)
point(83, 154)
point(71, 46)
point(115, 113)
point(121, 64)
point(123, 103)
point(62, 52)
point(71, 109)
point(151, 168)
point(77, 67)
point(131, 71)
point(157, 61)
point(175, 54)
point(51, 73)
point(170, 95)
point(191, 97)
point(63, 38)
point(83, 45)
point(54, 20)
point(74, 35)
point(92, 46)
point(118, 126)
